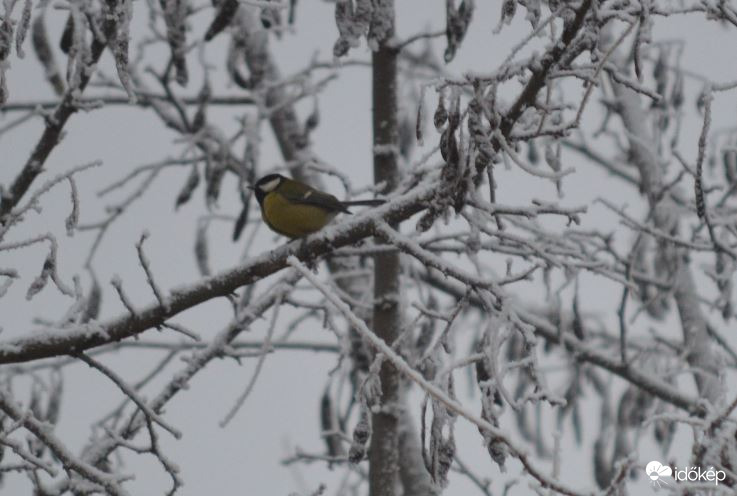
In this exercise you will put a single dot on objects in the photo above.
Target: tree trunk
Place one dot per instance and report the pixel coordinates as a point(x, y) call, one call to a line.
point(383, 453)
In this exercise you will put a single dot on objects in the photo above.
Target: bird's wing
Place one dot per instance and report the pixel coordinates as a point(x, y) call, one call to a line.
point(318, 199)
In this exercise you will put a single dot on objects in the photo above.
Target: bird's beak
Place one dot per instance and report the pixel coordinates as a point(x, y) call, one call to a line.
point(250, 187)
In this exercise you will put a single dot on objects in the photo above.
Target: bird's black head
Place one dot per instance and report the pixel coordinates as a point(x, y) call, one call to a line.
point(266, 185)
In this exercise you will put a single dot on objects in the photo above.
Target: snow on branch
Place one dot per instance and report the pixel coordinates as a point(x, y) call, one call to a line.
point(53, 342)
point(429, 388)
point(103, 480)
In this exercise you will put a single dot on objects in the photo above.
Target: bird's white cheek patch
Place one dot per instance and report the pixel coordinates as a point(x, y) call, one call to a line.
point(270, 186)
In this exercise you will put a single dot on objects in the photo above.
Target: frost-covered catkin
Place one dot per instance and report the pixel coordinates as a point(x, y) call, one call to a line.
point(381, 26)
point(533, 154)
point(725, 269)
point(444, 454)
point(479, 135)
point(122, 13)
point(222, 19)
point(440, 117)
point(491, 401)
point(175, 18)
point(534, 12)
point(420, 118)
point(203, 100)
point(664, 432)
point(352, 24)
point(660, 73)
point(34, 444)
point(457, 21)
point(25, 22)
point(552, 158)
point(442, 440)
point(201, 250)
point(729, 164)
point(3, 87)
point(642, 38)
point(93, 303)
point(6, 36)
point(406, 134)
point(270, 17)
point(426, 332)
point(329, 424)
point(313, 120)
point(509, 8)
point(361, 435)
point(343, 14)
point(702, 144)
point(10, 276)
point(6, 40)
point(676, 96)
point(252, 152)
point(292, 14)
point(73, 218)
point(40, 282)
point(67, 35)
point(193, 180)
point(53, 406)
point(214, 174)
point(78, 50)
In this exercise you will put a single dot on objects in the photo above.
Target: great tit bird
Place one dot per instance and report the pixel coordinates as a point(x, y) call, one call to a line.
point(294, 209)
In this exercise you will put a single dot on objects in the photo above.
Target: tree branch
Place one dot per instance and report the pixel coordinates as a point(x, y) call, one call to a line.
point(55, 342)
point(110, 482)
point(693, 322)
point(49, 139)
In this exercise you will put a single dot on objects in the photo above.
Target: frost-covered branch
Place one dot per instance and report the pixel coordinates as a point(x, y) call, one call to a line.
point(693, 321)
point(48, 140)
point(429, 388)
point(106, 481)
point(53, 342)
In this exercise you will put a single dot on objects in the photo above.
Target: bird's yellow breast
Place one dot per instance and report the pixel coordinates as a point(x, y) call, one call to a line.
point(293, 220)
